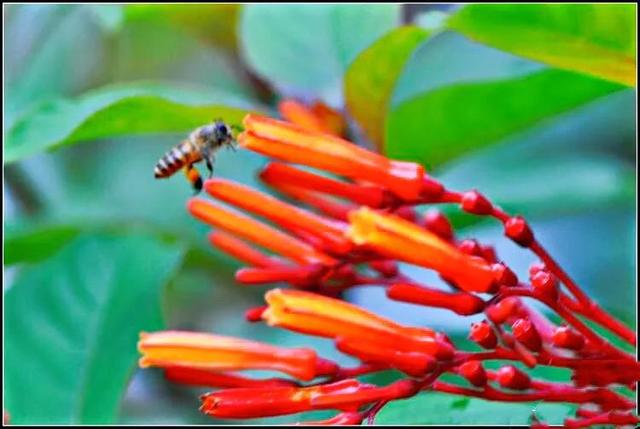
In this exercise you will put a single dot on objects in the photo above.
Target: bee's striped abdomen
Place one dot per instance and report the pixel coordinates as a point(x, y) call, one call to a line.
point(181, 155)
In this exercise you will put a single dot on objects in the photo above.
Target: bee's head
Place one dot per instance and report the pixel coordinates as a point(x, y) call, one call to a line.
point(217, 134)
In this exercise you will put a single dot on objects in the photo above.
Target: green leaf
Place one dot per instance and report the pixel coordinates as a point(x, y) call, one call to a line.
point(446, 105)
point(119, 110)
point(596, 39)
point(370, 79)
point(72, 323)
point(35, 243)
point(212, 23)
point(432, 408)
point(308, 47)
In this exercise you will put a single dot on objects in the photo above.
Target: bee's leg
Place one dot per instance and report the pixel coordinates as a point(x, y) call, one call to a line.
point(210, 160)
point(194, 178)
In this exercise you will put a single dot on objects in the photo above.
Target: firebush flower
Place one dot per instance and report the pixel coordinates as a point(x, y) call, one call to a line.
point(354, 224)
point(216, 352)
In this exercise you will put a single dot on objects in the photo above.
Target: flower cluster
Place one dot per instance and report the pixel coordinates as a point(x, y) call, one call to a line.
point(353, 231)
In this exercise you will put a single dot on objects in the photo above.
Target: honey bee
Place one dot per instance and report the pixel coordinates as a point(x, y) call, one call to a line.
point(202, 144)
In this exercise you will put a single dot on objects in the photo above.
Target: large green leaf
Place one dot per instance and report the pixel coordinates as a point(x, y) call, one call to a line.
point(71, 326)
point(119, 110)
point(432, 408)
point(39, 58)
point(308, 47)
point(449, 104)
point(33, 244)
point(213, 23)
point(597, 39)
point(370, 79)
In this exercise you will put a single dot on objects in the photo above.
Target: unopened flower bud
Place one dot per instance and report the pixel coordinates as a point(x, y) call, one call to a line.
point(438, 223)
point(513, 378)
point(483, 334)
point(504, 275)
point(545, 284)
point(470, 247)
point(476, 203)
point(567, 338)
point(517, 229)
point(473, 372)
point(536, 267)
point(526, 333)
point(501, 311)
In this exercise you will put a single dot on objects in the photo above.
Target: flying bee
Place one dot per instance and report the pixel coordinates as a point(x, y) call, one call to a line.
point(202, 144)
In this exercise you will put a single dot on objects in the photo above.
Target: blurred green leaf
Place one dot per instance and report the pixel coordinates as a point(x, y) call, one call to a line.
point(72, 323)
point(47, 41)
point(156, 50)
point(546, 186)
point(597, 39)
point(431, 408)
point(33, 244)
point(119, 110)
point(369, 81)
point(308, 47)
point(212, 23)
point(446, 105)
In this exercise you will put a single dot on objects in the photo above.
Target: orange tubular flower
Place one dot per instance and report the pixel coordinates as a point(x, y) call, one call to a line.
point(372, 336)
point(285, 215)
point(257, 232)
point(292, 143)
point(215, 352)
point(397, 238)
point(346, 395)
point(277, 174)
point(243, 251)
point(303, 116)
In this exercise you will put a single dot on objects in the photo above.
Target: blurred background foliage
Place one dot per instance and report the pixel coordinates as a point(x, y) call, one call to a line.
point(533, 105)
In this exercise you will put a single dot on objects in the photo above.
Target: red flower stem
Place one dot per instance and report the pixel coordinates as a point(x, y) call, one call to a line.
point(564, 394)
point(590, 308)
point(608, 418)
point(568, 316)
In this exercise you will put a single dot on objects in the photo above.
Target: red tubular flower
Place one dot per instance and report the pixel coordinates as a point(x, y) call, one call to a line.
point(332, 318)
point(461, 303)
point(346, 395)
point(220, 353)
point(327, 205)
point(242, 251)
point(319, 117)
point(412, 363)
point(201, 377)
point(292, 143)
point(277, 174)
point(285, 215)
point(397, 238)
point(438, 223)
point(257, 232)
point(305, 275)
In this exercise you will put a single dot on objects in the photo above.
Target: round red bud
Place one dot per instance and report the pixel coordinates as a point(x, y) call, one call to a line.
point(438, 223)
point(476, 203)
point(504, 275)
point(483, 334)
point(511, 377)
point(567, 338)
point(473, 372)
point(536, 267)
point(470, 247)
point(489, 254)
point(517, 229)
point(545, 284)
point(501, 311)
point(527, 334)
